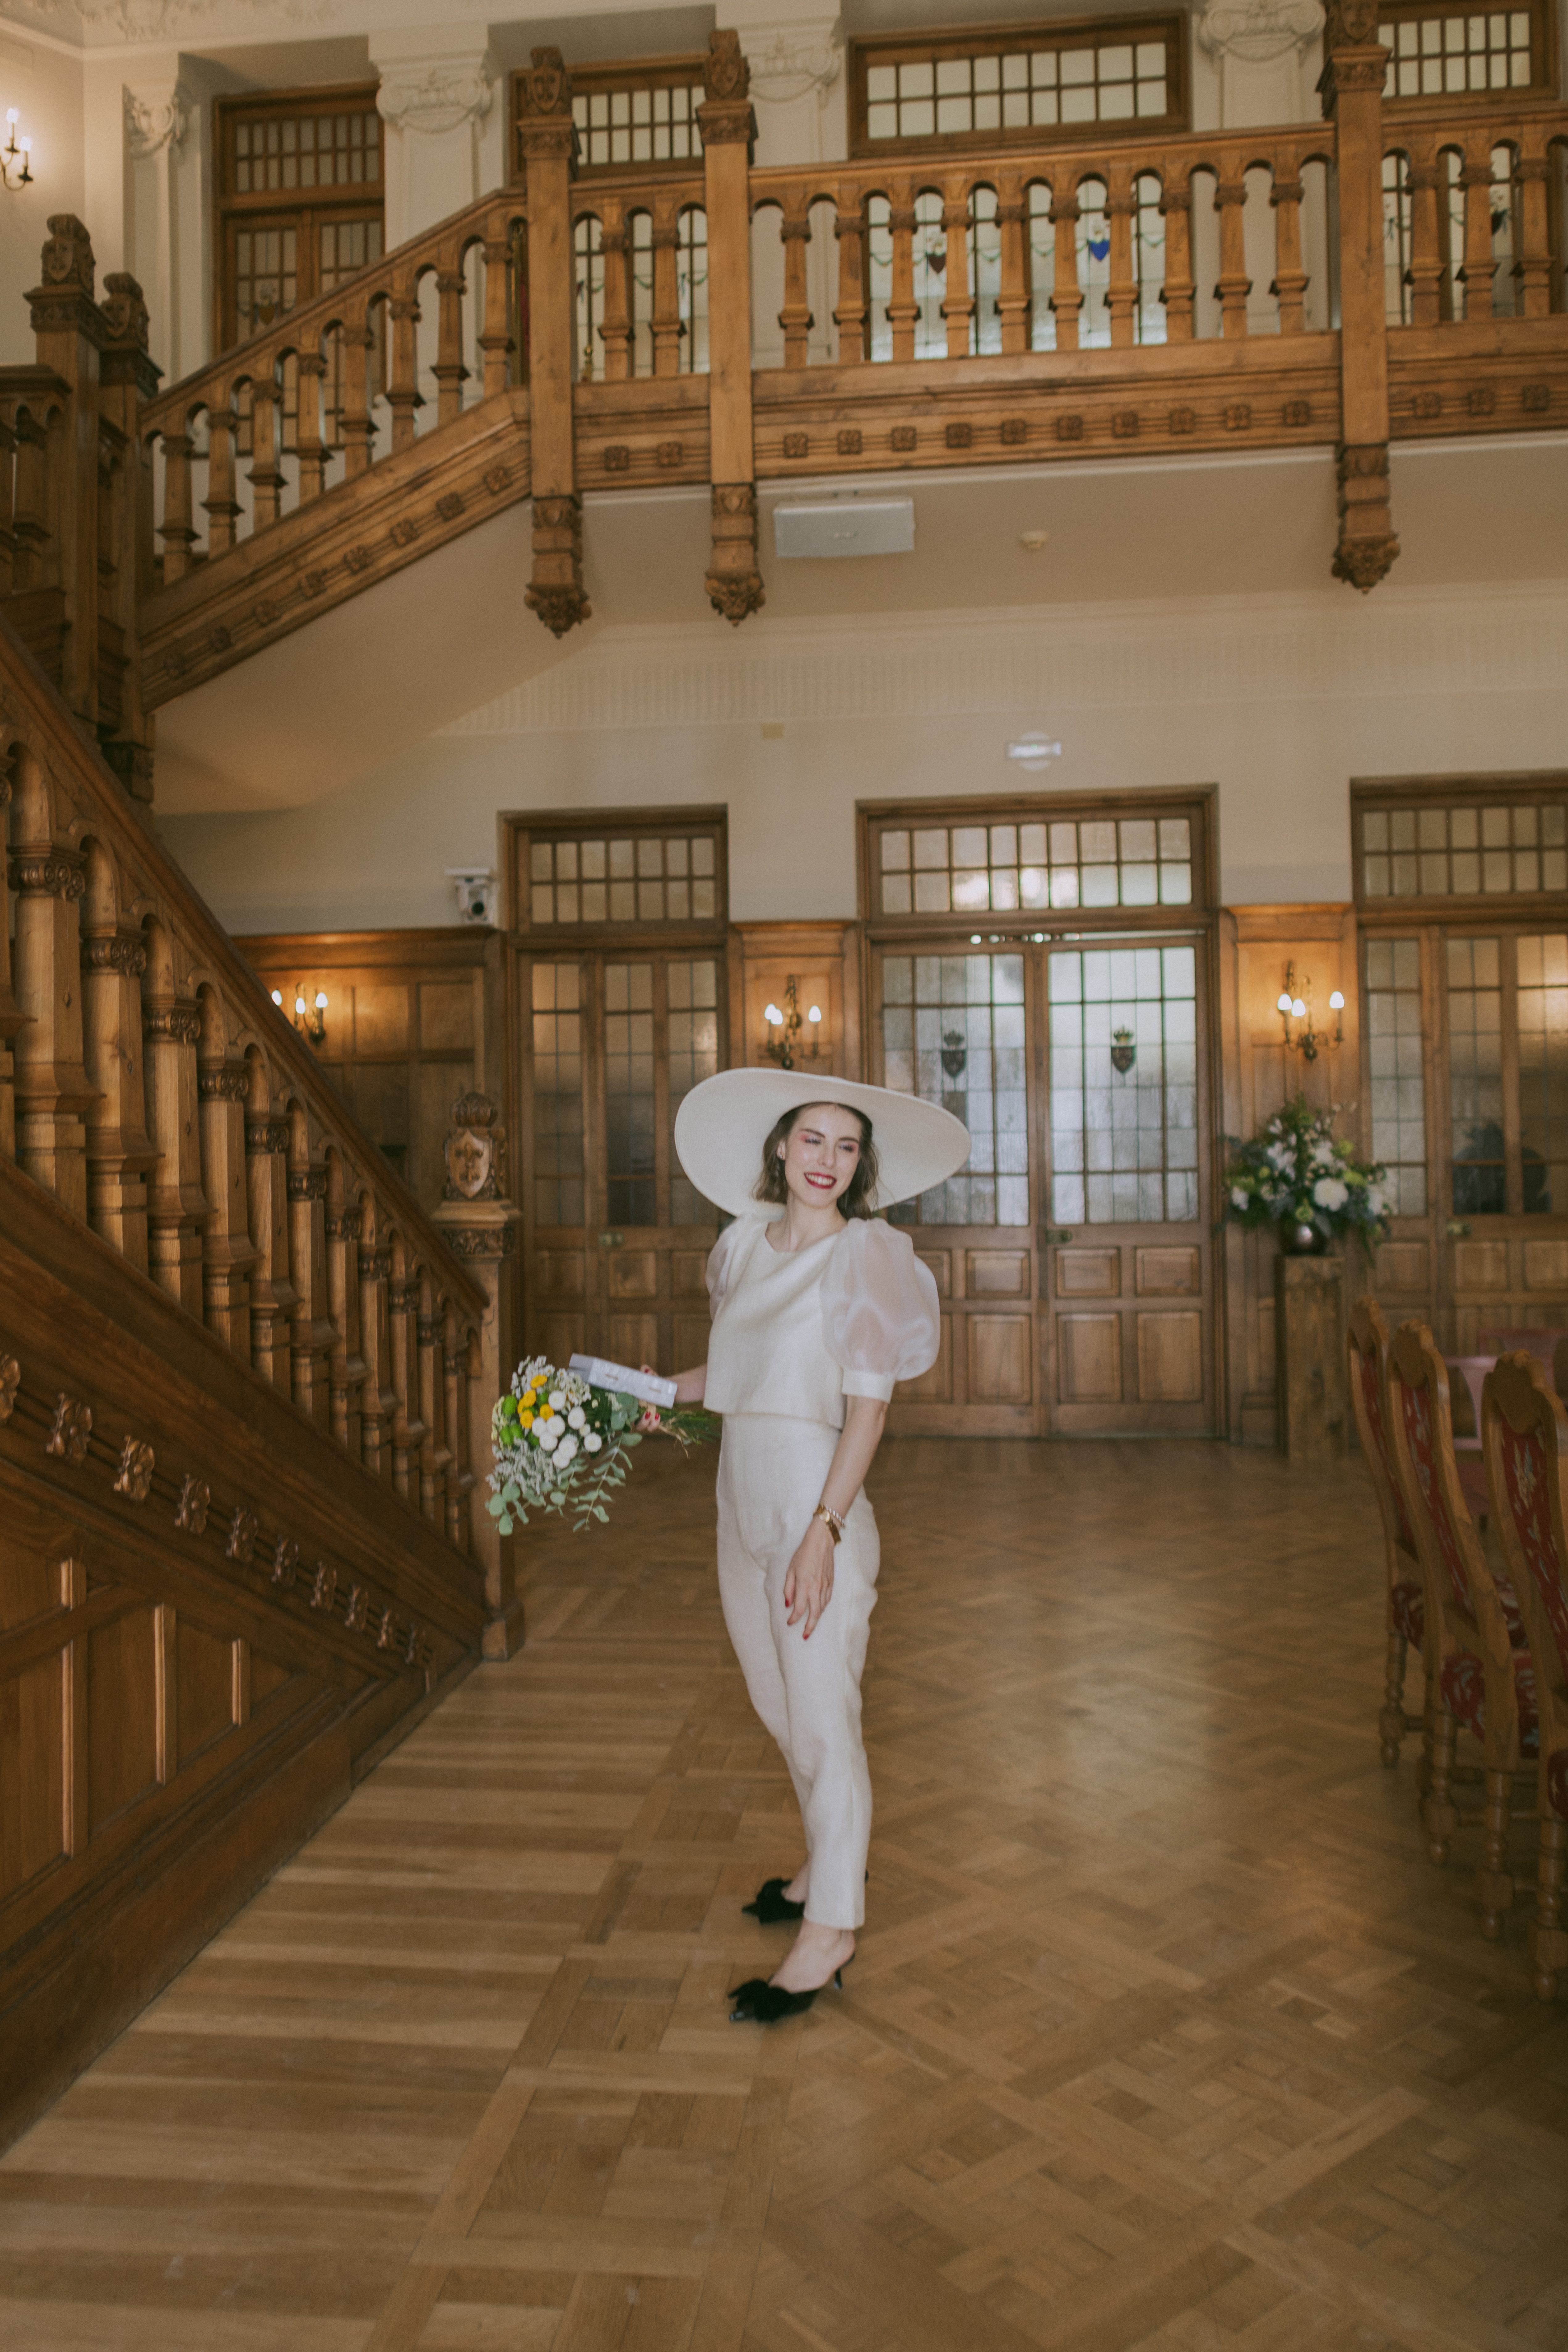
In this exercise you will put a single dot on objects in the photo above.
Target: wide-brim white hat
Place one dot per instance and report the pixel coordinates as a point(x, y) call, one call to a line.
point(723, 1125)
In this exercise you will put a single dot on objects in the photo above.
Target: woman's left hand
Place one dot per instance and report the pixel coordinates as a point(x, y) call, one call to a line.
point(808, 1580)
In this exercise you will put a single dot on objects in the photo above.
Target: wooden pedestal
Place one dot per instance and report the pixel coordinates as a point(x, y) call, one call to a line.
point(1310, 1358)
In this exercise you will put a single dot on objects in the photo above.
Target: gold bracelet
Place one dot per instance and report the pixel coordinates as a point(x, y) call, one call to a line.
point(831, 1520)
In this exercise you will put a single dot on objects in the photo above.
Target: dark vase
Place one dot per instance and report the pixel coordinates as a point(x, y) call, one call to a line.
point(1299, 1240)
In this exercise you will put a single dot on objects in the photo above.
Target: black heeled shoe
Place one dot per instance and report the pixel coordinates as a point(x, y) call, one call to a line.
point(757, 2002)
point(772, 1904)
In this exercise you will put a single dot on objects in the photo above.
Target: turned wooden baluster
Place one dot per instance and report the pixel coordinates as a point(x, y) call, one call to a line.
point(11, 1013)
point(1121, 292)
point(175, 530)
point(958, 302)
point(1476, 179)
point(495, 341)
point(459, 1478)
point(36, 556)
point(119, 1150)
point(902, 309)
point(346, 1368)
point(310, 437)
point(266, 474)
point(616, 320)
point(434, 1454)
point(356, 429)
point(449, 371)
point(272, 1298)
point(8, 503)
point(176, 1205)
point(1533, 267)
point(1234, 285)
point(378, 1400)
point(850, 311)
point(228, 1252)
point(313, 1335)
point(402, 394)
point(666, 290)
point(52, 1089)
point(1012, 303)
point(795, 318)
point(220, 505)
point(1425, 246)
point(479, 1458)
point(1066, 295)
point(1181, 289)
point(407, 1428)
point(1289, 286)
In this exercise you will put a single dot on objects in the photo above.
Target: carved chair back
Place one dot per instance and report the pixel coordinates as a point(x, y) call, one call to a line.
point(1368, 1343)
point(1473, 1609)
point(1525, 1431)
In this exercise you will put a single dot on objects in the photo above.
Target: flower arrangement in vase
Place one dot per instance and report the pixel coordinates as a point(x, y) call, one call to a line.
point(1295, 1175)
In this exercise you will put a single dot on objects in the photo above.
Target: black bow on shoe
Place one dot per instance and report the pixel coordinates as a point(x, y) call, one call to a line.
point(757, 2002)
point(772, 1904)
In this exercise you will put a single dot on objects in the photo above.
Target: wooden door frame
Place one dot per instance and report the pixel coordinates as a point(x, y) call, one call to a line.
point(1202, 919)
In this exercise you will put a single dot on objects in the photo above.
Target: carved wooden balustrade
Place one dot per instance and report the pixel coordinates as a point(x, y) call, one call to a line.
point(1223, 291)
point(1478, 304)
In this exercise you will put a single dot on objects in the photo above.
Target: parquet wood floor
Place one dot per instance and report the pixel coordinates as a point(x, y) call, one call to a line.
point(1164, 2035)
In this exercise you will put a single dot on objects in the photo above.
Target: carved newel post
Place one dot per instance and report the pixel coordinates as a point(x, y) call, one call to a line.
point(550, 150)
point(479, 1224)
point(729, 131)
point(1351, 88)
point(1311, 1381)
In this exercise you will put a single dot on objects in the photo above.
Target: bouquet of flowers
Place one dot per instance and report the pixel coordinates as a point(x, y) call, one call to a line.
point(557, 1441)
point(1295, 1172)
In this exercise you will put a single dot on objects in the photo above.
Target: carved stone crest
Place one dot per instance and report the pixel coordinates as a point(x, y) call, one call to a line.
point(546, 87)
point(475, 1151)
point(725, 73)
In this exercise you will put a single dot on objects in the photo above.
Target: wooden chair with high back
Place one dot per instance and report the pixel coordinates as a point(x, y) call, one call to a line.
point(1405, 1598)
point(1525, 1431)
point(1483, 1676)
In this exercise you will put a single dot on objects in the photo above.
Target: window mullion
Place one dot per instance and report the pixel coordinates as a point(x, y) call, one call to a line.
point(1508, 962)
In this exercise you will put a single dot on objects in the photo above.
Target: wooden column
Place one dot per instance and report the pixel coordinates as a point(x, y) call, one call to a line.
point(1121, 294)
point(11, 1013)
point(220, 505)
point(1290, 284)
point(480, 1225)
point(850, 311)
point(347, 1366)
point(1180, 289)
point(1310, 1352)
point(1351, 88)
point(795, 318)
point(729, 131)
point(272, 1300)
point(228, 1253)
point(127, 379)
point(118, 1152)
point(958, 302)
point(314, 1334)
point(176, 1205)
point(550, 150)
point(378, 1401)
point(71, 331)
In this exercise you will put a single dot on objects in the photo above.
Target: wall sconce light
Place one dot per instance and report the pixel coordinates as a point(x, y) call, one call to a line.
point(15, 153)
point(1307, 1039)
point(786, 1026)
point(310, 1017)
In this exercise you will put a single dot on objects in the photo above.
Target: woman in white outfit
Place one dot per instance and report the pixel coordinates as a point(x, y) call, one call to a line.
point(818, 1309)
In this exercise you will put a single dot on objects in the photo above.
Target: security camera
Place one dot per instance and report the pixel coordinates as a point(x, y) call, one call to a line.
point(476, 893)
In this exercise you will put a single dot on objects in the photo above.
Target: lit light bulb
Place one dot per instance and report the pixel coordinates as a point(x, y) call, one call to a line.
point(1284, 1004)
point(300, 1006)
point(975, 939)
point(321, 1000)
point(277, 998)
point(1298, 1009)
point(813, 1012)
point(13, 115)
point(773, 1016)
point(1336, 1000)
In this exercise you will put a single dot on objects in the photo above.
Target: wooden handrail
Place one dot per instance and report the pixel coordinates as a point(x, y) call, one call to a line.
point(150, 1085)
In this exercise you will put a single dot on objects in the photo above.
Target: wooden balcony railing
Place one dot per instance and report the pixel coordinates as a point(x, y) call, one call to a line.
point(1335, 284)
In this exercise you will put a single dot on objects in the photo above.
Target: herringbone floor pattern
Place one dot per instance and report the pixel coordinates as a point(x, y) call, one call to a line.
point(1163, 2032)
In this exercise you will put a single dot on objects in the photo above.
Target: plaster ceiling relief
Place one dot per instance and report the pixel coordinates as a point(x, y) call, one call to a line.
point(1259, 30)
point(107, 23)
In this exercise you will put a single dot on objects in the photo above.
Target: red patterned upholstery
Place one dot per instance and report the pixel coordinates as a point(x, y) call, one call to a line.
point(1557, 1783)
point(1421, 1438)
point(1408, 1612)
point(1527, 1500)
point(1371, 1397)
point(1465, 1696)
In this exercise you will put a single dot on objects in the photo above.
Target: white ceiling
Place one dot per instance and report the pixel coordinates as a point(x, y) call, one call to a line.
point(339, 698)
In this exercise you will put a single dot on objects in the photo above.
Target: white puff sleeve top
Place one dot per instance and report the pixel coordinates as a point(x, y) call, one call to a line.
point(795, 1333)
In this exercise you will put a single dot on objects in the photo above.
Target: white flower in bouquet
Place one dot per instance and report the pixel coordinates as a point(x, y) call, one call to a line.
point(1240, 1196)
point(592, 1442)
point(1330, 1194)
point(559, 1442)
point(576, 1418)
point(550, 1435)
point(557, 1400)
point(565, 1452)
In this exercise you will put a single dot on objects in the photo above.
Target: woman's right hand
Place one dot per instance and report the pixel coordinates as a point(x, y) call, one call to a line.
point(689, 1386)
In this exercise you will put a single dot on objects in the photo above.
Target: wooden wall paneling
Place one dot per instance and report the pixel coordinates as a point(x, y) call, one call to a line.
point(825, 958)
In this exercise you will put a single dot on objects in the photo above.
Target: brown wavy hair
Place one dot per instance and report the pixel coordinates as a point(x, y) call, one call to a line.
point(856, 1198)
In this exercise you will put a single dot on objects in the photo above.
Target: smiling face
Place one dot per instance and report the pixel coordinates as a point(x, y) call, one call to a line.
point(820, 1154)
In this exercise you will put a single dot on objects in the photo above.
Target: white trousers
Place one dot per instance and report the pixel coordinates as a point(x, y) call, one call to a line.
point(770, 1475)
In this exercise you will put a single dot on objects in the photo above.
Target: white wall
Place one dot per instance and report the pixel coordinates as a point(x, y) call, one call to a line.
point(1280, 700)
point(45, 84)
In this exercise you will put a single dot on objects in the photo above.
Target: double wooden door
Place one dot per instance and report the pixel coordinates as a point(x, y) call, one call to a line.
point(1073, 1255)
point(618, 1239)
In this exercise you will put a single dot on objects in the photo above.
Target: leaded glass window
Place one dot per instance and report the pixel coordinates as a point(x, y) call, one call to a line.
point(952, 1033)
point(1124, 1073)
point(1066, 862)
point(1399, 1077)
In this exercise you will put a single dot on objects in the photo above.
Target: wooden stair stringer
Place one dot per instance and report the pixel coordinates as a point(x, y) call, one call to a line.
point(357, 534)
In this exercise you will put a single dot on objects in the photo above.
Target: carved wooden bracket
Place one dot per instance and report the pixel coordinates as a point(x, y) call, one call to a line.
point(555, 592)
point(734, 584)
point(1368, 544)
